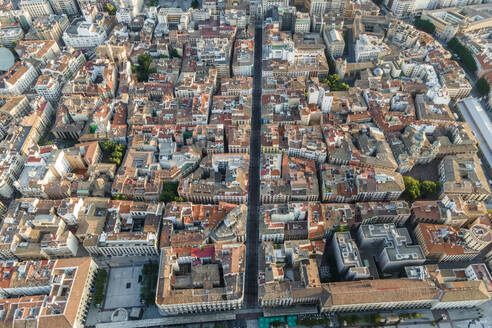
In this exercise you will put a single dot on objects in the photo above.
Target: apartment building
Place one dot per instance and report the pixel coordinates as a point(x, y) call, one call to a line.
point(50, 87)
point(348, 260)
point(74, 277)
point(65, 7)
point(136, 178)
point(81, 34)
point(18, 78)
point(359, 144)
point(285, 178)
point(36, 8)
point(42, 169)
point(96, 78)
point(40, 51)
point(216, 53)
point(389, 294)
point(383, 294)
point(334, 42)
point(303, 23)
point(10, 35)
point(275, 288)
point(443, 243)
point(396, 212)
point(68, 62)
point(283, 222)
point(190, 282)
point(402, 8)
point(30, 233)
point(349, 183)
point(479, 234)
point(223, 223)
point(306, 142)
point(200, 187)
point(370, 47)
point(23, 279)
point(480, 272)
point(131, 229)
point(238, 138)
point(394, 244)
point(462, 175)
point(11, 164)
point(48, 27)
point(242, 62)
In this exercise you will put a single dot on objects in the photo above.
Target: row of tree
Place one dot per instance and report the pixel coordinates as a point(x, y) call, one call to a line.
point(415, 189)
point(100, 286)
point(149, 283)
point(424, 25)
point(465, 54)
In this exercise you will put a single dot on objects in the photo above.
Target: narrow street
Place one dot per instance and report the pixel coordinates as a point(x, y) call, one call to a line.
point(251, 275)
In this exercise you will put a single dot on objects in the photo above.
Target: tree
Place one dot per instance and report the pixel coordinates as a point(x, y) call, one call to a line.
point(483, 87)
point(341, 229)
point(412, 189)
point(466, 56)
point(428, 188)
point(373, 318)
point(174, 53)
point(149, 283)
point(170, 192)
point(143, 68)
point(101, 278)
point(424, 25)
point(110, 9)
point(334, 83)
point(195, 4)
point(116, 149)
point(354, 319)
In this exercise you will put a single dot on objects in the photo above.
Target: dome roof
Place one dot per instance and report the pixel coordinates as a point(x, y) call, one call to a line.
point(7, 59)
point(378, 71)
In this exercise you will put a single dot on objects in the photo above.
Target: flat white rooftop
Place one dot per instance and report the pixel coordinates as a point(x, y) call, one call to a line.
point(479, 121)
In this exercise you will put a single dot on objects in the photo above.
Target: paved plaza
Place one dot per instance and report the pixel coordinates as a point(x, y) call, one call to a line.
point(123, 287)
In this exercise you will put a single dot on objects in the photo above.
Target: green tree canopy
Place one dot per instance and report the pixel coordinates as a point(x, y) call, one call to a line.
point(424, 25)
point(483, 87)
point(99, 287)
point(412, 189)
point(170, 192)
point(174, 53)
point(110, 9)
point(334, 83)
point(415, 189)
point(466, 56)
point(143, 68)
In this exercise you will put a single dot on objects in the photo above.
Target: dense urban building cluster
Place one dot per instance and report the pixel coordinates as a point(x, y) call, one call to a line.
point(167, 162)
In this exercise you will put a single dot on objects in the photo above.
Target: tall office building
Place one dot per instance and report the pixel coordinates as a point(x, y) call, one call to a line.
point(36, 8)
point(67, 7)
